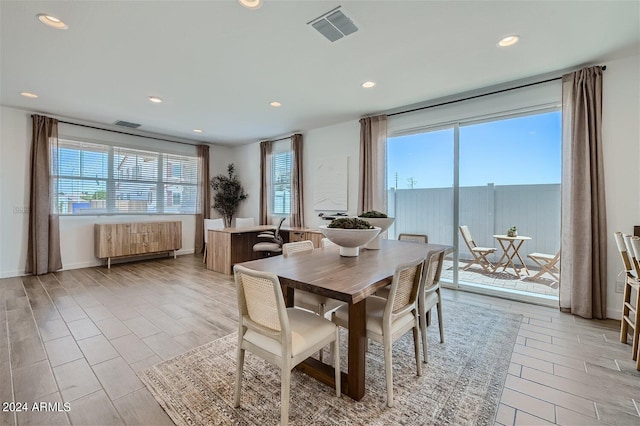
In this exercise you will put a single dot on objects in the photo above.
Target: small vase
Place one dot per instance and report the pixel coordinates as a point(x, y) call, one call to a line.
point(512, 233)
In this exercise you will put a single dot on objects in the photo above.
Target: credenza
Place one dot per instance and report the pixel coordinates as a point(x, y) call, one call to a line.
point(115, 240)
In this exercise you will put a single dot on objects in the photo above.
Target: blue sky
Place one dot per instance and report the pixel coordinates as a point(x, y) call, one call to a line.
point(516, 151)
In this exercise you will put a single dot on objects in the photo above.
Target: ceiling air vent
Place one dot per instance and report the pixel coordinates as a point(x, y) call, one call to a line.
point(334, 25)
point(127, 124)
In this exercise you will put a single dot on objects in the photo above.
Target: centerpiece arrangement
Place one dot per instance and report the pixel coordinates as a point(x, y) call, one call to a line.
point(512, 232)
point(349, 233)
point(379, 220)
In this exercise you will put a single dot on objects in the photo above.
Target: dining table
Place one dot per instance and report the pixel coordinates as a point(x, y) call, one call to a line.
point(348, 279)
point(510, 250)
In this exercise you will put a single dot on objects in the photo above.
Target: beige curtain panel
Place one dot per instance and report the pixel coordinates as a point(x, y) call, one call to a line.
point(265, 150)
point(373, 156)
point(583, 270)
point(204, 197)
point(297, 200)
point(43, 245)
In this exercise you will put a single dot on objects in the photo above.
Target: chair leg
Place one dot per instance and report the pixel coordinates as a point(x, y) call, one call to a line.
point(204, 256)
point(236, 394)
point(388, 369)
point(321, 307)
point(636, 328)
point(416, 343)
point(335, 351)
point(440, 319)
point(423, 330)
point(284, 394)
point(624, 327)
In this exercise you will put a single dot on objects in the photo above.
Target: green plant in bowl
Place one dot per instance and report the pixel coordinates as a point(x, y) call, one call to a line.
point(373, 214)
point(349, 223)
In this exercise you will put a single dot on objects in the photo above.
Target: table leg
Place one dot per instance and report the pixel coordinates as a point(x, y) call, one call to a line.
point(357, 348)
point(504, 254)
point(524, 265)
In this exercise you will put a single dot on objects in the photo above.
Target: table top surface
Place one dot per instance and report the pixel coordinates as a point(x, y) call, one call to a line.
point(349, 279)
point(505, 237)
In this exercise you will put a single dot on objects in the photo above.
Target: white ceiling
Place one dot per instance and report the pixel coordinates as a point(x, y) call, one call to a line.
point(217, 65)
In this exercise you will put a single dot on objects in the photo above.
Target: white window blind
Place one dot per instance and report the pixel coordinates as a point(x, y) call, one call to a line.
point(281, 182)
point(91, 178)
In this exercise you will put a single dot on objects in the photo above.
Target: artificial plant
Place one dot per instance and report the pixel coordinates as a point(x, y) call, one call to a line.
point(229, 194)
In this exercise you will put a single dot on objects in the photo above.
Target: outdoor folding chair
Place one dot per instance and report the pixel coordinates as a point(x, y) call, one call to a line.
point(479, 253)
point(549, 263)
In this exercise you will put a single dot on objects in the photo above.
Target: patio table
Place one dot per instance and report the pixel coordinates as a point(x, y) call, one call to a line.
point(510, 250)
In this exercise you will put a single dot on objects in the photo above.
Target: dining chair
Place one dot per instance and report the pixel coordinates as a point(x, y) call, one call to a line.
point(321, 305)
point(272, 243)
point(244, 222)
point(210, 224)
point(548, 263)
point(414, 238)
point(627, 247)
point(280, 335)
point(479, 253)
point(325, 242)
point(389, 319)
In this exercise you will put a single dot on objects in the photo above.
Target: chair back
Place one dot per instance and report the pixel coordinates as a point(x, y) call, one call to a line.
point(635, 245)
point(297, 247)
point(403, 293)
point(432, 271)
point(277, 232)
point(325, 242)
point(622, 248)
point(244, 222)
point(260, 302)
point(212, 224)
point(635, 266)
point(466, 236)
point(414, 238)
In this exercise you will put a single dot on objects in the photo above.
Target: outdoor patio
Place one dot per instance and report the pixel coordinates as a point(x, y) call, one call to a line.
point(545, 284)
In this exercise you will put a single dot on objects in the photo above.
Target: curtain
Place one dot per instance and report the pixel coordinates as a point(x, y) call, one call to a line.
point(583, 272)
point(43, 245)
point(265, 150)
point(204, 197)
point(373, 153)
point(297, 200)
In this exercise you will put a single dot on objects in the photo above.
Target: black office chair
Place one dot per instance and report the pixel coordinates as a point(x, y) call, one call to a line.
point(273, 241)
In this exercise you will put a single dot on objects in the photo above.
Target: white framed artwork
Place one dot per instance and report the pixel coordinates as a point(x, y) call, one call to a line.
point(331, 183)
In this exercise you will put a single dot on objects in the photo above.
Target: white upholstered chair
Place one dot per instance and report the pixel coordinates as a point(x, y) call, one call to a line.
point(389, 319)
point(244, 222)
point(430, 297)
point(210, 224)
point(414, 238)
point(479, 253)
point(297, 247)
point(283, 336)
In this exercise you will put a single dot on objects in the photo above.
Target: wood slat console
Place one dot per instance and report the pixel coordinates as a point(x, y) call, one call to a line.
point(134, 239)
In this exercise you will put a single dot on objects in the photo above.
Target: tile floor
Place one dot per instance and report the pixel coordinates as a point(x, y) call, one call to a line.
point(80, 336)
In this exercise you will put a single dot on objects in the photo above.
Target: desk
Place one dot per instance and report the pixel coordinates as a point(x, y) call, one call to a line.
point(510, 249)
point(348, 279)
point(229, 246)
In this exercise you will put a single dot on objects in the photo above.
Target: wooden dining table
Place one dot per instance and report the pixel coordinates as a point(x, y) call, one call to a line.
point(348, 279)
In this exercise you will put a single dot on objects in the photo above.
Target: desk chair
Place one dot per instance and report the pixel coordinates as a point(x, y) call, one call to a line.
point(244, 222)
point(283, 336)
point(479, 253)
point(272, 243)
point(389, 319)
point(210, 224)
point(414, 238)
point(549, 263)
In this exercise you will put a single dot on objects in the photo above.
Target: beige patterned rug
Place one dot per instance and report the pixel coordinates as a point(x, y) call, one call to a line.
point(462, 383)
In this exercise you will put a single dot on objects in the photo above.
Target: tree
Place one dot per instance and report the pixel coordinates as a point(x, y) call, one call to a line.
point(229, 194)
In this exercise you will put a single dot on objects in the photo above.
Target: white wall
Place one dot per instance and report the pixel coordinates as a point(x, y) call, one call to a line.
point(76, 232)
point(621, 141)
point(246, 159)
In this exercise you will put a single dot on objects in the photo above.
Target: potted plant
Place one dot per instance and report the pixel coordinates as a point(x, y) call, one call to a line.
point(349, 233)
point(380, 220)
point(512, 232)
point(229, 194)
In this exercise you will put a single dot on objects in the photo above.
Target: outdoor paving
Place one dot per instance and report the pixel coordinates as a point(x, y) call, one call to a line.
point(546, 284)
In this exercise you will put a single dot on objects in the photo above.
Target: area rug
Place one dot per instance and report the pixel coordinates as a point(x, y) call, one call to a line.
point(461, 385)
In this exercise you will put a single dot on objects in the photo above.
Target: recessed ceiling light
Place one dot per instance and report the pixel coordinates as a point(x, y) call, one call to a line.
point(275, 104)
point(28, 95)
point(508, 41)
point(155, 99)
point(251, 4)
point(197, 130)
point(368, 84)
point(52, 21)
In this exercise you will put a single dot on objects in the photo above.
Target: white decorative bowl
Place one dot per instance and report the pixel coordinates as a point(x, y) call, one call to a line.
point(381, 222)
point(349, 240)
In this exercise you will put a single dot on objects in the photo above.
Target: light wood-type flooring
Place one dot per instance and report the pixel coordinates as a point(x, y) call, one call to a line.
point(79, 336)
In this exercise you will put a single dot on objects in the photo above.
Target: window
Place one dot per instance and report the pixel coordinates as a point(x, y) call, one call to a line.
point(281, 182)
point(91, 178)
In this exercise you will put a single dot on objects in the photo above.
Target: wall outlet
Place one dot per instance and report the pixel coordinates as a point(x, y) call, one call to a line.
point(21, 210)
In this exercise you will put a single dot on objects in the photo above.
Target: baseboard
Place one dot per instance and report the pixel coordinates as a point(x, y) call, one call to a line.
point(11, 274)
point(614, 314)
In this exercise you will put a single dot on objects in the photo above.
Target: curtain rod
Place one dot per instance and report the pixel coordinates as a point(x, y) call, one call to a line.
point(125, 133)
point(479, 96)
point(281, 139)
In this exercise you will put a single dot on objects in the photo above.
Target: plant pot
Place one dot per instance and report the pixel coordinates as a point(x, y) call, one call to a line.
point(381, 222)
point(349, 240)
